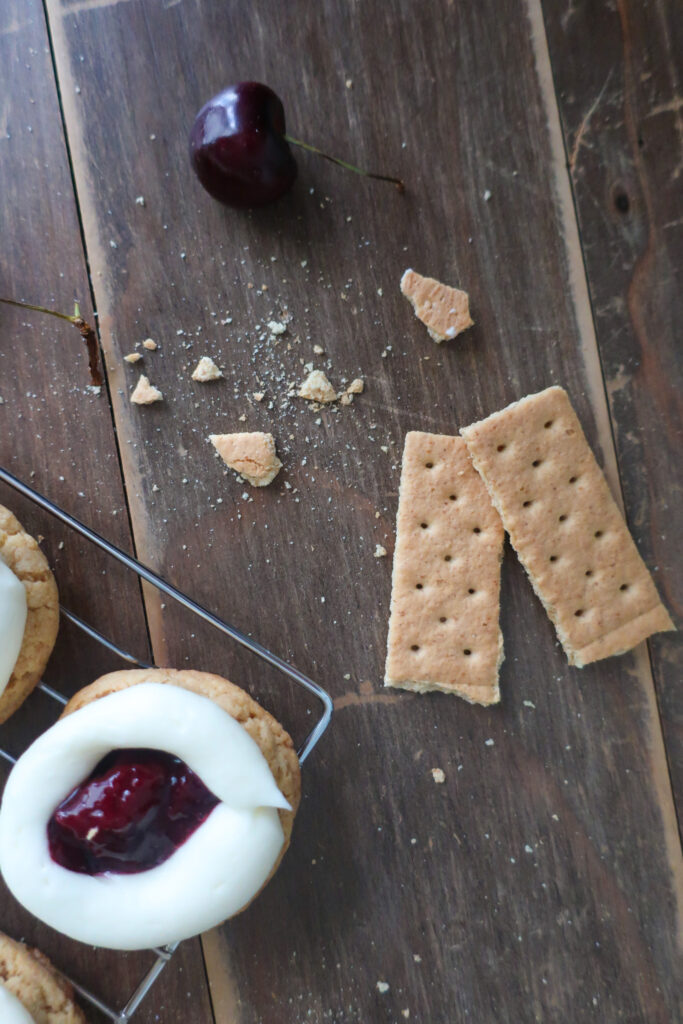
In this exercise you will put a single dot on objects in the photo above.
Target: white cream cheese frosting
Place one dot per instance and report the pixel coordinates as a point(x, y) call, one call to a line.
point(207, 879)
point(11, 1010)
point(13, 612)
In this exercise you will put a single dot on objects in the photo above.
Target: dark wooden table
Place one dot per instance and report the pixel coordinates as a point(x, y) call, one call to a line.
point(541, 143)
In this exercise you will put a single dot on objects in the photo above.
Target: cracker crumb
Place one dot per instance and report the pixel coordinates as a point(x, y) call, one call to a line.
point(356, 387)
point(139, 200)
point(444, 311)
point(417, 958)
point(275, 327)
point(145, 393)
point(242, 418)
point(438, 775)
point(319, 350)
point(528, 704)
point(206, 370)
point(133, 357)
point(149, 344)
point(258, 396)
point(489, 743)
point(380, 552)
point(382, 987)
point(251, 455)
point(346, 398)
point(317, 388)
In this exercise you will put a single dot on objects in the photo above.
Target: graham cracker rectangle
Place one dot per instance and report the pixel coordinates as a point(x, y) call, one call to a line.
point(565, 526)
point(445, 596)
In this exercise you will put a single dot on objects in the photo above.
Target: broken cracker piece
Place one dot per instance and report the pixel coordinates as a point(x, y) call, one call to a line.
point(133, 357)
point(252, 455)
point(206, 370)
point(565, 526)
point(317, 388)
point(148, 343)
point(145, 393)
point(445, 311)
point(445, 590)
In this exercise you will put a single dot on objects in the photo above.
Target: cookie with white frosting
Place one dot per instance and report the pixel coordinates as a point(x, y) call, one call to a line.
point(31, 990)
point(158, 806)
point(29, 613)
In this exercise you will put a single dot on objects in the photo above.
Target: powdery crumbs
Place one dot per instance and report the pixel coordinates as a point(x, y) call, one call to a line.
point(382, 987)
point(133, 357)
point(380, 552)
point(317, 388)
point(206, 370)
point(145, 393)
point(438, 775)
point(251, 455)
point(150, 344)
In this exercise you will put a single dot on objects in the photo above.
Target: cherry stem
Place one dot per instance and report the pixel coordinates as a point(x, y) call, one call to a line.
point(343, 163)
point(85, 330)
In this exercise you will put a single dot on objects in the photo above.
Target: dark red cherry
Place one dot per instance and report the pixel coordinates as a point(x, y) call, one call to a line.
point(238, 148)
point(132, 812)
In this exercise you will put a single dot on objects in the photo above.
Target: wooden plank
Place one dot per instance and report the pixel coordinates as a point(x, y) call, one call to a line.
point(58, 436)
point(619, 94)
point(542, 870)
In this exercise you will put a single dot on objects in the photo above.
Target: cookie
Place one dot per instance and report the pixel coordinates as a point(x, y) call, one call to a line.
point(29, 976)
point(445, 597)
point(28, 563)
point(444, 311)
point(565, 527)
point(275, 743)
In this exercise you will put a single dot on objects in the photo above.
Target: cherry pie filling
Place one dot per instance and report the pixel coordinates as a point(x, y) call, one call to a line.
point(132, 812)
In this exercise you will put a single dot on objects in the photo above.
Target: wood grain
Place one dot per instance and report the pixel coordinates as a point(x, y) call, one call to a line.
point(58, 436)
point(537, 883)
point(620, 96)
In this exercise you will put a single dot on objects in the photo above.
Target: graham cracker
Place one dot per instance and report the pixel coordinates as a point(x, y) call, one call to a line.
point(443, 310)
point(252, 455)
point(565, 526)
point(445, 597)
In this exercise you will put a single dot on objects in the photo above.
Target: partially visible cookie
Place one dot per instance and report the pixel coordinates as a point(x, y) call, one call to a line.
point(29, 976)
point(275, 743)
point(28, 563)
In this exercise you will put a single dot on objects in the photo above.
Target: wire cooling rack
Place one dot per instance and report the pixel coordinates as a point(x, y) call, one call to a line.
point(162, 954)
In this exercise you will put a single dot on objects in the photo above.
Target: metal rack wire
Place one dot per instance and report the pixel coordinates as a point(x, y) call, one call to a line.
point(162, 954)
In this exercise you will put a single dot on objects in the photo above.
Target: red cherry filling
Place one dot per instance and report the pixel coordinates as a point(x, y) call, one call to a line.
point(131, 813)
